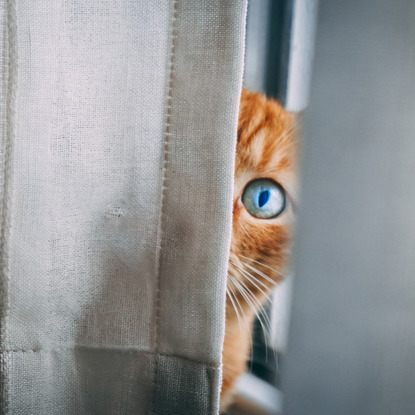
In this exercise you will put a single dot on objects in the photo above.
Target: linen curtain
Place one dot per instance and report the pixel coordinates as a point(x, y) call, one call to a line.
point(118, 128)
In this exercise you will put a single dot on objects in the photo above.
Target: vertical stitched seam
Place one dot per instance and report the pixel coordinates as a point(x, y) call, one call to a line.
point(167, 135)
point(9, 58)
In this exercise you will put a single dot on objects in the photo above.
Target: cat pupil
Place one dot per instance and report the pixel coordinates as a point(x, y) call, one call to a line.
point(263, 198)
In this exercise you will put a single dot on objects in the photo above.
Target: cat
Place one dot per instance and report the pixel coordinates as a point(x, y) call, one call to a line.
point(263, 216)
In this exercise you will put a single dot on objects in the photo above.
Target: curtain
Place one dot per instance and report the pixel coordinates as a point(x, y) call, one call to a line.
point(118, 128)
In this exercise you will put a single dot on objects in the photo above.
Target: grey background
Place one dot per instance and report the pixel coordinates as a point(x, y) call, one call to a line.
point(352, 341)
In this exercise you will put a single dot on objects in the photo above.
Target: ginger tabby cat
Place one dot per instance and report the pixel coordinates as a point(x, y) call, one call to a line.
point(263, 216)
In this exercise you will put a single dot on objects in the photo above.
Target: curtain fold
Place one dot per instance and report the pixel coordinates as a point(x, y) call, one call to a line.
point(118, 132)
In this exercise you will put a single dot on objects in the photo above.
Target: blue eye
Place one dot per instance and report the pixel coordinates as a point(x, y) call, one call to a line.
point(264, 198)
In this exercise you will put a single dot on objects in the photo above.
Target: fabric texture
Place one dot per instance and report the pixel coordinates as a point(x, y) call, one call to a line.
point(118, 132)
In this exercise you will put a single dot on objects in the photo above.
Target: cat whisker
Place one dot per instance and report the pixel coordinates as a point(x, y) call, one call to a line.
point(232, 299)
point(262, 317)
point(237, 286)
point(266, 326)
point(235, 306)
point(289, 133)
point(262, 275)
point(287, 146)
point(231, 290)
point(248, 275)
point(254, 279)
point(263, 265)
point(291, 130)
point(255, 306)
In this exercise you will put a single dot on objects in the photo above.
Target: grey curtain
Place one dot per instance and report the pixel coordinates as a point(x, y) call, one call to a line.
point(118, 126)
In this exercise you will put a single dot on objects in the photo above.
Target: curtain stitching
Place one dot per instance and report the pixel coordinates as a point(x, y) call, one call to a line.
point(167, 135)
point(9, 77)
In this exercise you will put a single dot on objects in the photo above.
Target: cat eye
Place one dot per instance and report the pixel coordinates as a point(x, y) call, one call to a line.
point(264, 198)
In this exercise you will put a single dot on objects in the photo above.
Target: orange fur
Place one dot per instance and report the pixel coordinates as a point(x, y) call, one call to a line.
point(266, 148)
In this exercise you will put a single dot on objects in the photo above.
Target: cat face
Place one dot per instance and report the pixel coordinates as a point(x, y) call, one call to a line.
point(265, 193)
point(263, 216)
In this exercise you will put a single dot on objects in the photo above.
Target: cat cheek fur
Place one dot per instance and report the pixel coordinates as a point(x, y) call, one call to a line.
point(260, 249)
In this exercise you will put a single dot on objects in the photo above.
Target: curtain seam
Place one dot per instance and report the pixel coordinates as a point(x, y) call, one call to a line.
point(167, 135)
point(9, 77)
